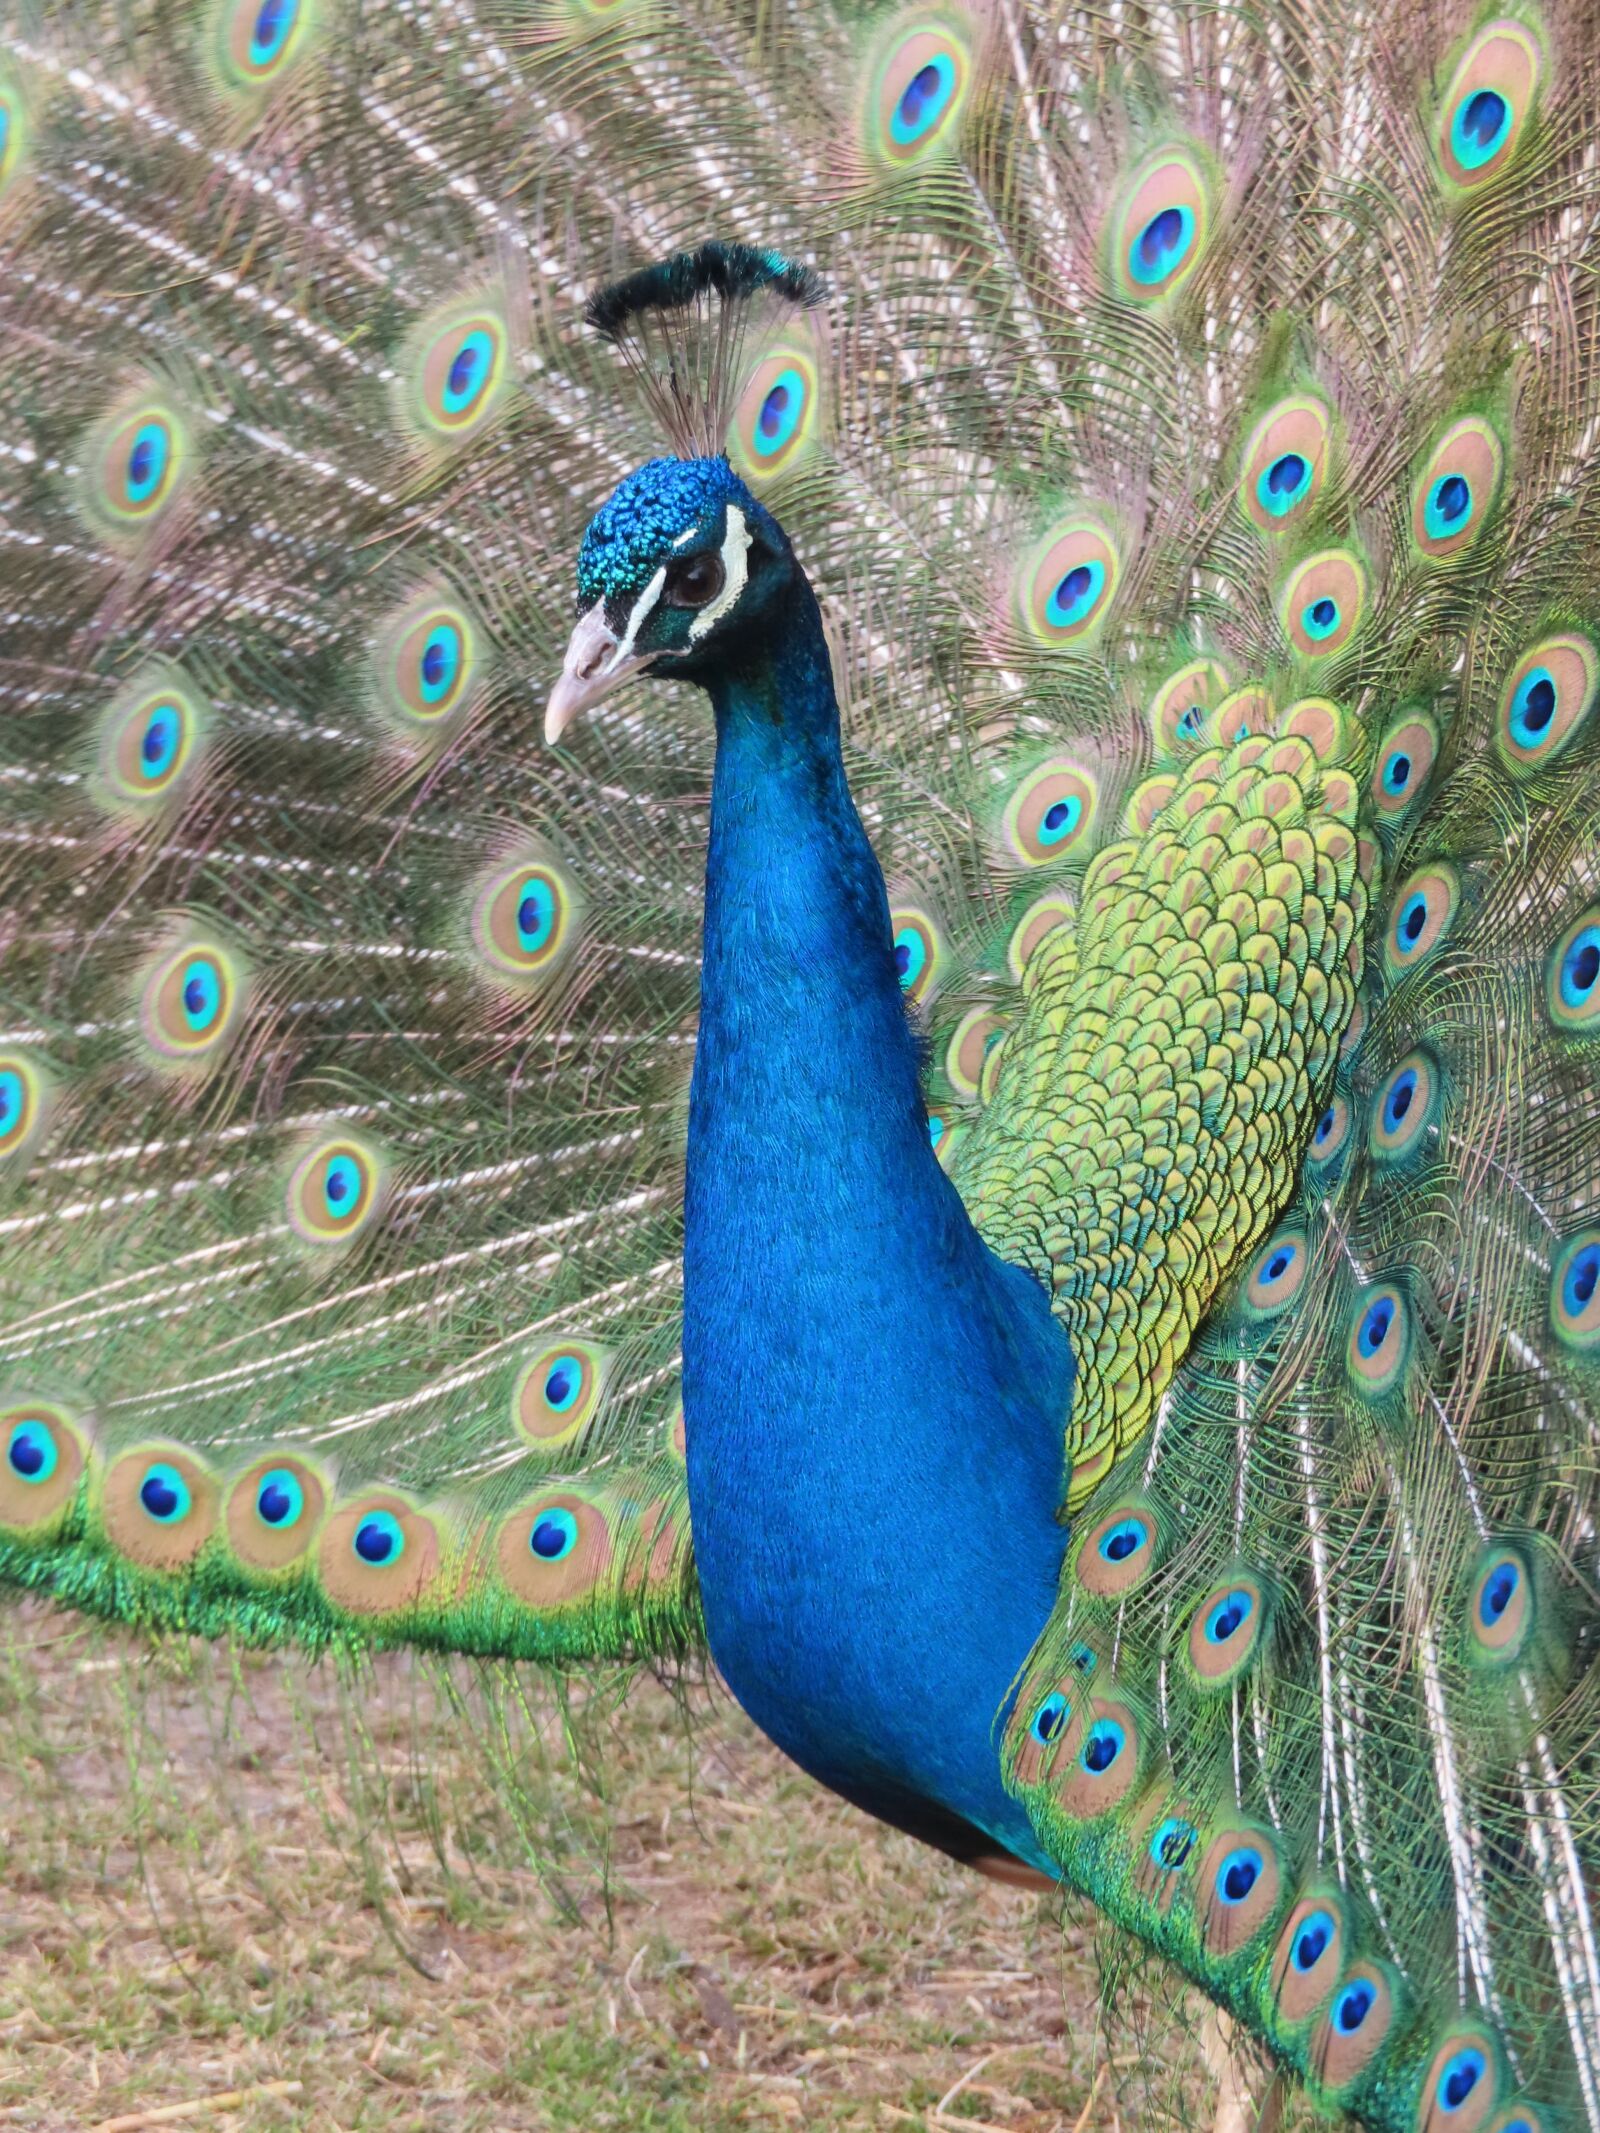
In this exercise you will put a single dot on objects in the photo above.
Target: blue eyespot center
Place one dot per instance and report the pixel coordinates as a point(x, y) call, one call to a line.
point(147, 462)
point(441, 662)
point(273, 22)
point(536, 915)
point(1580, 968)
point(554, 1535)
point(1287, 475)
point(1075, 594)
point(780, 413)
point(379, 1539)
point(1480, 127)
point(1161, 245)
point(1240, 1872)
point(1353, 2006)
point(341, 1186)
point(202, 995)
point(563, 1382)
point(31, 1452)
point(1061, 819)
point(1311, 1942)
point(1049, 1719)
point(1533, 707)
point(1123, 1540)
point(164, 1494)
point(1451, 499)
point(1324, 1126)
point(470, 372)
point(1192, 722)
point(923, 100)
point(1582, 1279)
point(159, 742)
point(1228, 1615)
point(1398, 1102)
point(1499, 1589)
point(1279, 1264)
point(279, 1498)
point(1397, 772)
point(1104, 1744)
point(1324, 613)
point(1375, 1326)
point(1172, 1843)
point(1460, 2077)
point(1413, 919)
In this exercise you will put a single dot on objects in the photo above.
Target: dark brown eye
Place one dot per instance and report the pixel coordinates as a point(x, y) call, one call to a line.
point(695, 581)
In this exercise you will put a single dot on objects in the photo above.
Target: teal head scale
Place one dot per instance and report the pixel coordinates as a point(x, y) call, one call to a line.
point(680, 545)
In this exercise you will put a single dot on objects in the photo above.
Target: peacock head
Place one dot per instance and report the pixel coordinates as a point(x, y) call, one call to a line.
point(677, 571)
point(681, 567)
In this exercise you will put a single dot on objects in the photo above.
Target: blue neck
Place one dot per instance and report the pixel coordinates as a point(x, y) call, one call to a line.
point(875, 1404)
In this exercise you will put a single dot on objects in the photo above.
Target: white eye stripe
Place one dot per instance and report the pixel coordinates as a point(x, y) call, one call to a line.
point(636, 619)
point(735, 569)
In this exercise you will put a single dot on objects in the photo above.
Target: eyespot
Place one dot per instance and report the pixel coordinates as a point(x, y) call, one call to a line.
point(523, 920)
point(1323, 603)
point(1172, 1844)
point(920, 91)
point(377, 1555)
point(1049, 1719)
point(258, 40)
point(1244, 712)
point(1358, 2020)
point(1424, 911)
point(135, 465)
point(1160, 229)
point(1329, 1137)
point(1285, 464)
point(428, 661)
point(1308, 1958)
point(150, 740)
point(1547, 701)
point(1098, 1762)
point(777, 412)
point(1051, 815)
point(456, 372)
point(1575, 1291)
point(976, 1035)
point(1117, 1552)
point(1044, 916)
point(159, 1506)
point(1486, 109)
point(274, 1512)
point(1572, 980)
point(1500, 1613)
point(1404, 1108)
point(13, 134)
point(1379, 1341)
point(555, 1549)
point(335, 1191)
point(190, 1002)
point(1067, 584)
point(1226, 1629)
point(1457, 488)
point(1237, 1891)
point(1463, 2085)
point(918, 950)
point(558, 1392)
point(1180, 707)
point(1277, 1274)
point(24, 1107)
point(44, 1455)
point(1406, 757)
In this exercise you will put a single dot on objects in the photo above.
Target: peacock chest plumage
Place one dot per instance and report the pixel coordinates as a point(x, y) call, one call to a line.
point(1032, 1181)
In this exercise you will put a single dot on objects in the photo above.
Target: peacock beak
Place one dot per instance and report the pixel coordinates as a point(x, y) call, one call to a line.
point(597, 661)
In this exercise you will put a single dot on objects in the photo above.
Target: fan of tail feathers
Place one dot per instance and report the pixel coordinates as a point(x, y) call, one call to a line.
point(1197, 460)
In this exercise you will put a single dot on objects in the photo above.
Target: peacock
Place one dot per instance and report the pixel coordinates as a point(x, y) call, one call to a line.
point(1030, 1178)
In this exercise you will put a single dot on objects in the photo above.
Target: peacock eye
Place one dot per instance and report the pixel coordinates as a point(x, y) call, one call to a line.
point(695, 581)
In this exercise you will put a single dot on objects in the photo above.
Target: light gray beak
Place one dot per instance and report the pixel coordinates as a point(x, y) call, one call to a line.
point(597, 662)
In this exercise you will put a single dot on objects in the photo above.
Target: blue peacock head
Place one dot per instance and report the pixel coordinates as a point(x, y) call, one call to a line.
point(681, 564)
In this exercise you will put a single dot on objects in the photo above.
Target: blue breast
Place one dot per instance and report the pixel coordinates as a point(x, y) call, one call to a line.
point(875, 1404)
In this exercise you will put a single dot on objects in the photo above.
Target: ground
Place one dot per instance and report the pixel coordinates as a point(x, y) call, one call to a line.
point(390, 1903)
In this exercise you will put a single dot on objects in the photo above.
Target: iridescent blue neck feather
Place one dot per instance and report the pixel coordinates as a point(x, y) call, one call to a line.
point(874, 1401)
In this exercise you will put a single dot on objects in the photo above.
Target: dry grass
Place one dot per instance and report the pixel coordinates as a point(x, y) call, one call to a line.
point(221, 1876)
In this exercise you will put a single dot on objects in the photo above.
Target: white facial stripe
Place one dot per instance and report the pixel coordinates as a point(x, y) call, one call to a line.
point(641, 608)
point(735, 569)
point(687, 534)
